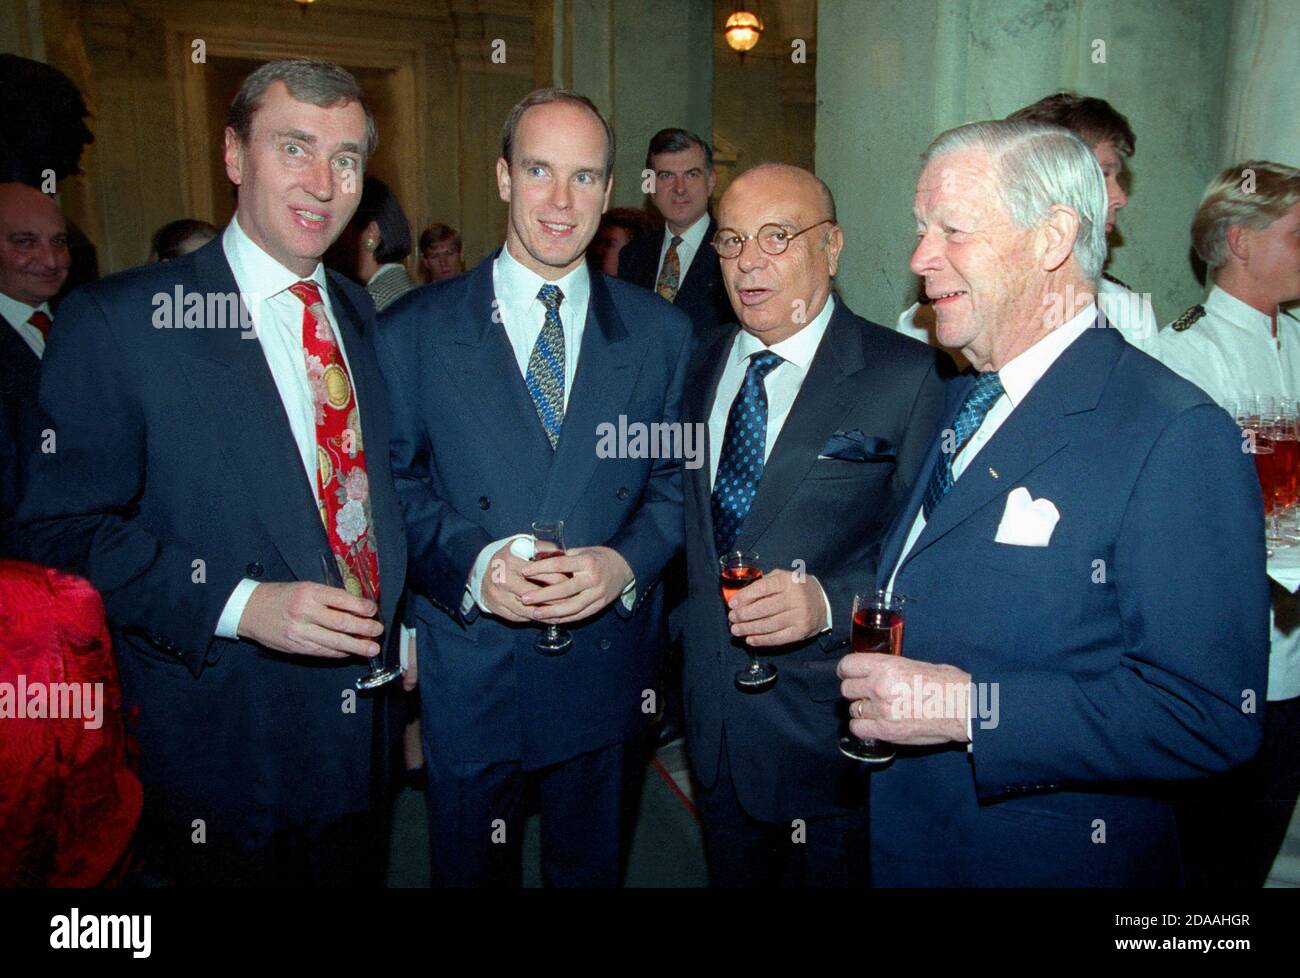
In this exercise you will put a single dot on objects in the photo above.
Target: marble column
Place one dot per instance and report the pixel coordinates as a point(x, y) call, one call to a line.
point(1261, 118)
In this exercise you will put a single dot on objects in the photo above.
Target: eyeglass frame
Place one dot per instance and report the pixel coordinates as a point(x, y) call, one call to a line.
point(758, 234)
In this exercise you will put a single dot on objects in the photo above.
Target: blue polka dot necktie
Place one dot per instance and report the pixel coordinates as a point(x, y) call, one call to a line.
point(979, 400)
point(545, 375)
point(740, 464)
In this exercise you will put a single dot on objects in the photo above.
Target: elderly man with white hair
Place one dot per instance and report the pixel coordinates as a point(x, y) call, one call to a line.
point(1088, 613)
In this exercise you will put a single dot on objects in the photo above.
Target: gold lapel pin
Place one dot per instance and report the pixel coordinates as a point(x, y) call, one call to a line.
point(993, 472)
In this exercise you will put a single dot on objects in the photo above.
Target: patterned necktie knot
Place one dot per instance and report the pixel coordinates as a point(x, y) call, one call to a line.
point(762, 364)
point(42, 322)
point(974, 408)
point(677, 239)
point(308, 292)
point(551, 296)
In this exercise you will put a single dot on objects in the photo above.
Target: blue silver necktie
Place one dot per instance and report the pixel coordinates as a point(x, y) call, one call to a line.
point(545, 376)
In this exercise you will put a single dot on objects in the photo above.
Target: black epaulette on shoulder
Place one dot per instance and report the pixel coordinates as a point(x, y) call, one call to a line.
point(1111, 278)
point(1186, 319)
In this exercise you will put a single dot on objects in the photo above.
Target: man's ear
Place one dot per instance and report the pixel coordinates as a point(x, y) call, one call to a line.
point(1057, 232)
point(713, 181)
point(1238, 239)
point(834, 245)
point(609, 190)
point(233, 155)
point(503, 179)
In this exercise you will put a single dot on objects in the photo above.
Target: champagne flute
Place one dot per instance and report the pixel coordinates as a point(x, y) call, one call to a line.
point(877, 627)
point(548, 541)
point(332, 577)
point(736, 570)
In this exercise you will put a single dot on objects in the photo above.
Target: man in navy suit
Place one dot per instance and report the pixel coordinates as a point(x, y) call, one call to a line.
point(680, 264)
point(509, 402)
point(222, 432)
point(1083, 553)
point(847, 411)
point(34, 263)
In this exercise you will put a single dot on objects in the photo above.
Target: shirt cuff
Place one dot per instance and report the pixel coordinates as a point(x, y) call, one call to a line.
point(233, 612)
point(521, 545)
point(408, 636)
point(827, 601)
point(629, 595)
point(970, 715)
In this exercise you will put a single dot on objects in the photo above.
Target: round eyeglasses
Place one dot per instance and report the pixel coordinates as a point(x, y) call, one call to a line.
point(774, 239)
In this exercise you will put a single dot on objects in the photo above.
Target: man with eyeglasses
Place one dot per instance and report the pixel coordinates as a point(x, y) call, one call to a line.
point(817, 423)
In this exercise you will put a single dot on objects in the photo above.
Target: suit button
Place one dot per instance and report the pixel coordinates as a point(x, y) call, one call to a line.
point(254, 570)
point(605, 644)
point(623, 492)
point(484, 502)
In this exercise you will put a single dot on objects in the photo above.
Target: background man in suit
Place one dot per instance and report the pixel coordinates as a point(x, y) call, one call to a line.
point(504, 398)
point(846, 409)
point(34, 262)
point(202, 477)
point(1083, 552)
point(679, 264)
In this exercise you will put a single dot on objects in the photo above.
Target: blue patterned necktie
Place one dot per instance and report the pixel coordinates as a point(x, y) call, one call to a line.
point(740, 464)
point(979, 399)
point(545, 376)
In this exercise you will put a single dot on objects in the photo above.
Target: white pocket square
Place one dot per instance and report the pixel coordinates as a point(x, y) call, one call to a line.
point(1027, 522)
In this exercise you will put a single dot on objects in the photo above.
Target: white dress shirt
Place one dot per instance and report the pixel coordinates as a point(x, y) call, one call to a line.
point(1018, 376)
point(277, 319)
point(782, 385)
point(522, 315)
point(1231, 350)
point(17, 313)
point(692, 242)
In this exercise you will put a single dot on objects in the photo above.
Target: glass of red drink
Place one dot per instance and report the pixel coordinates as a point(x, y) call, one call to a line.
point(548, 541)
point(736, 570)
point(877, 627)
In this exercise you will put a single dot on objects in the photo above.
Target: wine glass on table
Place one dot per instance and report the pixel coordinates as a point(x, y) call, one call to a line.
point(738, 569)
point(332, 576)
point(877, 627)
point(548, 541)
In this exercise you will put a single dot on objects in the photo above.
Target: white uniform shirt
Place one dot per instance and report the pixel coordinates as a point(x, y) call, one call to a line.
point(1229, 351)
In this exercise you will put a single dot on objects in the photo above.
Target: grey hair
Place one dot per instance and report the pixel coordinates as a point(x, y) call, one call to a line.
point(1039, 165)
point(308, 80)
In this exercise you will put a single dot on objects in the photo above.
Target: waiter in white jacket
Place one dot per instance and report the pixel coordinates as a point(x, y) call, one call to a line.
point(1241, 342)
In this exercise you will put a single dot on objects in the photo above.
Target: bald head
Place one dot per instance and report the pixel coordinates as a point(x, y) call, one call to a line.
point(34, 257)
point(775, 296)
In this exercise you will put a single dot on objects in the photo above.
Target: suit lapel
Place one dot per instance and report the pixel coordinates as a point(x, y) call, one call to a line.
point(955, 392)
point(484, 369)
point(607, 369)
point(825, 396)
point(698, 276)
point(233, 382)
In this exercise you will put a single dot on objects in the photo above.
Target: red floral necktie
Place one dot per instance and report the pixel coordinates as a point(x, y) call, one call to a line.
point(340, 453)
